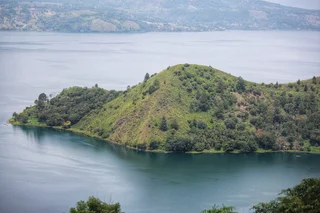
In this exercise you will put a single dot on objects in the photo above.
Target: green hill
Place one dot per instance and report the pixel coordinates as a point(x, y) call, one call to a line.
point(191, 108)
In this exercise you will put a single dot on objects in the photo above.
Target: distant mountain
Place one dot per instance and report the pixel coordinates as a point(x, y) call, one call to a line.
point(153, 15)
point(189, 108)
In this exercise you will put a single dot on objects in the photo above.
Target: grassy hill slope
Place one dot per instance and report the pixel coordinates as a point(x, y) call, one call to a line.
point(197, 108)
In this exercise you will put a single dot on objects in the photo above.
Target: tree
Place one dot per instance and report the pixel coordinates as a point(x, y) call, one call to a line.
point(95, 205)
point(266, 140)
point(201, 125)
point(96, 86)
point(241, 85)
point(299, 82)
point(154, 87)
point(175, 124)
point(42, 97)
point(163, 124)
point(22, 117)
point(223, 209)
point(175, 144)
point(314, 80)
point(14, 115)
point(231, 123)
point(146, 77)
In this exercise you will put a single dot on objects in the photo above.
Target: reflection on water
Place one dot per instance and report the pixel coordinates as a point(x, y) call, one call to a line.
point(69, 167)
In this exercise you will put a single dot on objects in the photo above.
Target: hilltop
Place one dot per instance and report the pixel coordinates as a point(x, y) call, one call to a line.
point(153, 15)
point(189, 108)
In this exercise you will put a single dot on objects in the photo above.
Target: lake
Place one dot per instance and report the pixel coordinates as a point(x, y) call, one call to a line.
point(46, 170)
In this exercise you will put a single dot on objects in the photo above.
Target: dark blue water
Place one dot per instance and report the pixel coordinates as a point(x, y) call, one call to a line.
point(45, 170)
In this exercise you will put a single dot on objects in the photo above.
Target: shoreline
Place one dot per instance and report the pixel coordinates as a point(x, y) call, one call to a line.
point(212, 151)
point(167, 32)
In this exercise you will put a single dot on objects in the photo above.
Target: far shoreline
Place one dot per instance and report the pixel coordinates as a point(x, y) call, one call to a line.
point(164, 32)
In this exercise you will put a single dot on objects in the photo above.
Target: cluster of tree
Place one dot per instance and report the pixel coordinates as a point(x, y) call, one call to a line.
point(95, 205)
point(68, 107)
point(223, 209)
point(202, 138)
point(249, 116)
point(304, 197)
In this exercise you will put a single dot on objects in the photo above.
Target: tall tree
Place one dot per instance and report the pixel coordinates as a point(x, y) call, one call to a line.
point(163, 124)
point(146, 77)
point(241, 85)
point(42, 97)
point(314, 80)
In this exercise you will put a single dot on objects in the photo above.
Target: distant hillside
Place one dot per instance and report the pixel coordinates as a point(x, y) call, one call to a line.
point(153, 15)
point(190, 108)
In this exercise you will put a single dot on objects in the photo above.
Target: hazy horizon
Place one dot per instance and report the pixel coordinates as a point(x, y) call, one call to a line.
point(307, 4)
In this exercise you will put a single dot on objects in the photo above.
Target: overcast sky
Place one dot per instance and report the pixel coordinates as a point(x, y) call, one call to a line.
point(309, 4)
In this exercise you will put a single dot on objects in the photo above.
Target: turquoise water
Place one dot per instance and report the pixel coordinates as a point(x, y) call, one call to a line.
point(45, 170)
point(48, 171)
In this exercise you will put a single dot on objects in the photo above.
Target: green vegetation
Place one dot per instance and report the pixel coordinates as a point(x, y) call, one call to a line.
point(95, 205)
point(67, 108)
point(223, 209)
point(304, 197)
point(190, 108)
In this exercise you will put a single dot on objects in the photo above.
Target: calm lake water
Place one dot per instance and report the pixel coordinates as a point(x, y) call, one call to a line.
point(45, 170)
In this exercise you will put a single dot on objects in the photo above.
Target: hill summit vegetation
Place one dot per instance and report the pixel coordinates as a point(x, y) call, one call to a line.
point(189, 108)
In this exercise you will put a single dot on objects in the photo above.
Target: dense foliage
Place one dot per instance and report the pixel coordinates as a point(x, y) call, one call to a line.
point(95, 205)
point(303, 198)
point(68, 107)
point(190, 108)
point(245, 116)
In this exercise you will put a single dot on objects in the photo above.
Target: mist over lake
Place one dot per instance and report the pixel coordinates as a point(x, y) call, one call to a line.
point(49, 170)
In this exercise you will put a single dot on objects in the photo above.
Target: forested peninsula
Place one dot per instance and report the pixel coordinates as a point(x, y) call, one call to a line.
point(189, 108)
